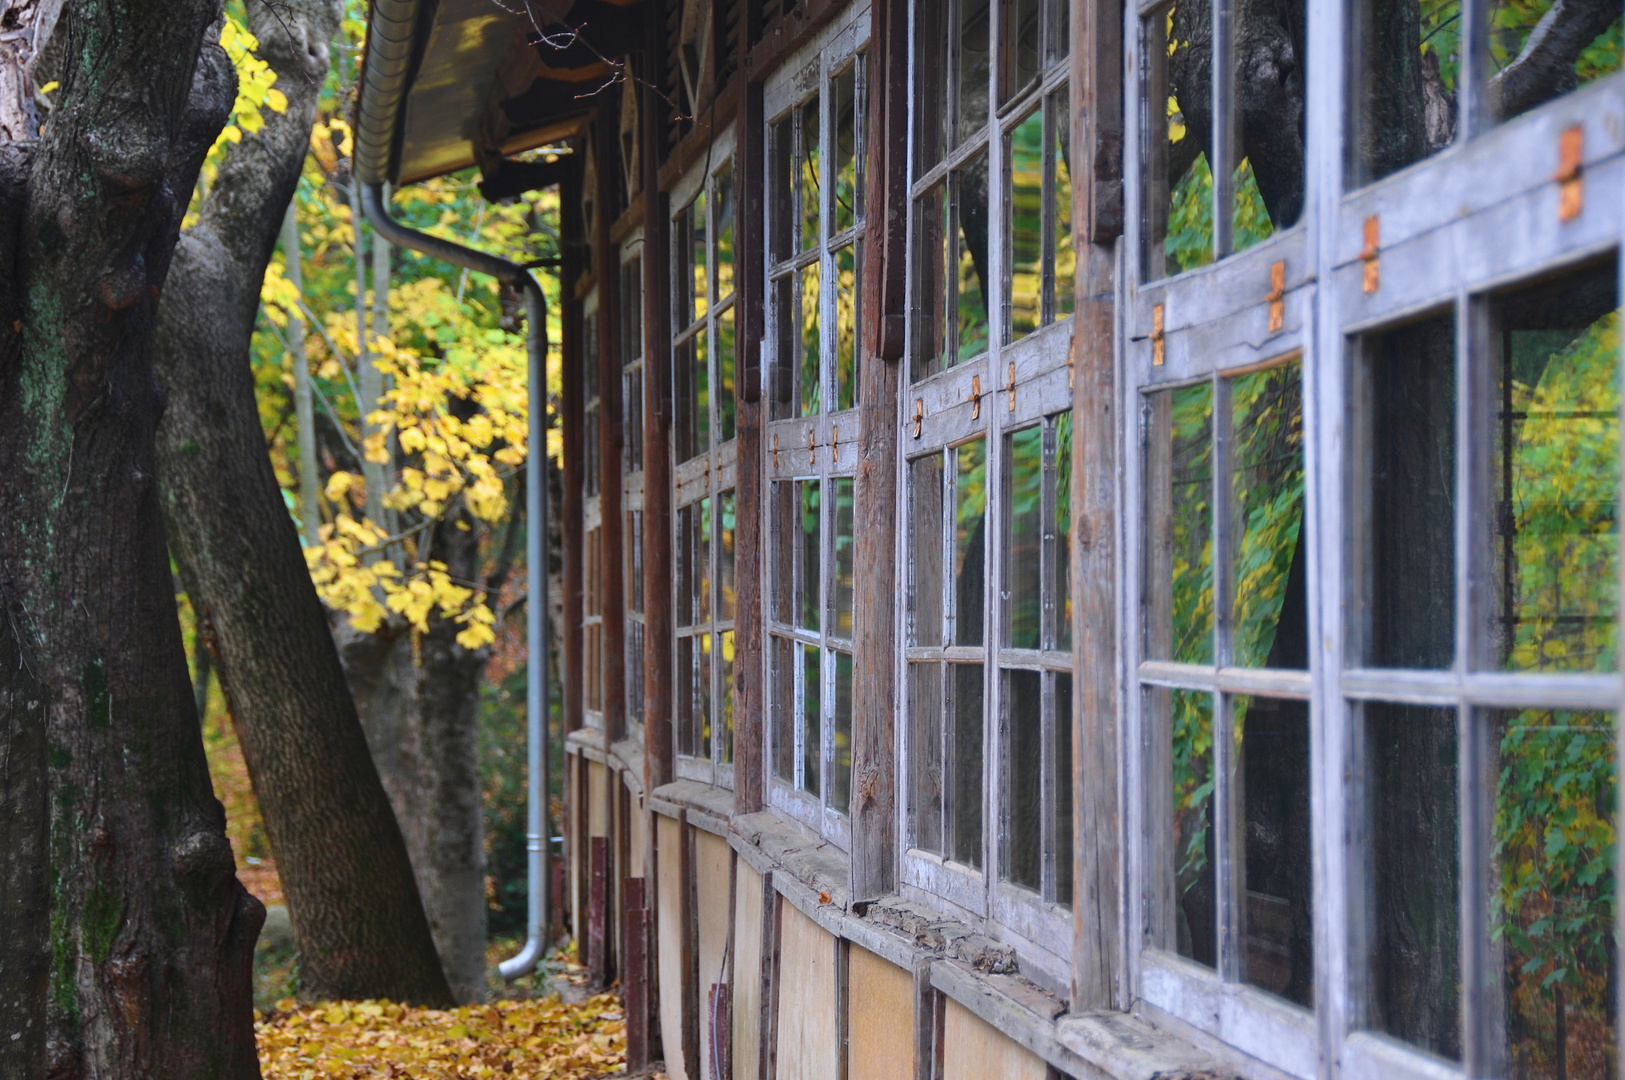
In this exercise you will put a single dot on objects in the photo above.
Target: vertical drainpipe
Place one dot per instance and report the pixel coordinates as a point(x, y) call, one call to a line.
point(390, 36)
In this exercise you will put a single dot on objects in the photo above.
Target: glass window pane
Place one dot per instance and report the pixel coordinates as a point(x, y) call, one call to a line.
point(696, 256)
point(840, 777)
point(1187, 717)
point(1024, 543)
point(973, 39)
point(1535, 58)
point(1278, 947)
point(1178, 195)
point(1059, 27)
point(925, 550)
point(1404, 101)
point(634, 557)
point(812, 736)
point(1019, 34)
point(1026, 224)
point(786, 534)
point(1023, 824)
point(970, 541)
point(1552, 899)
point(687, 571)
point(723, 212)
point(727, 510)
point(808, 176)
point(1267, 182)
point(1270, 622)
point(702, 696)
point(1411, 465)
point(727, 403)
point(1065, 256)
point(811, 387)
point(1061, 769)
point(693, 398)
point(632, 420)
point(930, 316)
point(925, 753)
point(843, 555)
point(1179, 525)
point(725, 687)
point(1063, 531)
point(780, 189)
point(687, 720)
point(931, 69)
point(634, 671)
point(971, 269)
point(1413, 866)
point(810, 619)
point(1555, 550)
point(965, 765)
point(843, 108)
point(846, 328)
point(787, 324)
point(702, 561)
point(784, 708)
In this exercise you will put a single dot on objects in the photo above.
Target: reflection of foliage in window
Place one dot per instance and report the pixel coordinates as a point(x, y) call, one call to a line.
point(1565, 485)
point(1513, 23)
point(1193, 783)
point(1553, 908)
point(1250, 222)
point(1440, 32)
point(1268, 486)
point(1192, 524)
point(971, 482)
point(1190, 217)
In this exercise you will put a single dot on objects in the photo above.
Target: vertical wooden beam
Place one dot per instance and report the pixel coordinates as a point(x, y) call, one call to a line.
point(570, 228)
point(597, 907)
point(607, 259)
point(690, 952)
point(749, 577)
point(767, 1038)
point(1097, 889)
point(874, 624)
point(636, 978)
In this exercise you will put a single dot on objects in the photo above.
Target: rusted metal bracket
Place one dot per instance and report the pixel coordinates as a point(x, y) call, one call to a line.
point(1158, 340)
point(1012, 386)
point(1571, 190)
point(919, 415)
point(1277, 296)
point(775, 450)
point(812, 444)
point(1368, 254)
point(834, 445)
point(975, 397)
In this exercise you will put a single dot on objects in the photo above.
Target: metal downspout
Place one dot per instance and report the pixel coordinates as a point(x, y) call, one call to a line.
point(389, 50)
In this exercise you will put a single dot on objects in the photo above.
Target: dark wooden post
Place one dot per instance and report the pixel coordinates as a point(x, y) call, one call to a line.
point(1097, 109)
point(749, 575)
point(874, 624)
point(637, 975)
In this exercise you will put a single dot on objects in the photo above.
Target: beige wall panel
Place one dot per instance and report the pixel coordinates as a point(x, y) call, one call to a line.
point(597, 808)
point(572, 844)
point(747, 991)
point(807, 1045)
point(711, 858)
point(637, 840)
point(973, 1049)
point(669, 919)
point(880, 1018)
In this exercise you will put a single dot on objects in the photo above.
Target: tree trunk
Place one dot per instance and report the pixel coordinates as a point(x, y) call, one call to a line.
point(355, 910)
point(151, 936)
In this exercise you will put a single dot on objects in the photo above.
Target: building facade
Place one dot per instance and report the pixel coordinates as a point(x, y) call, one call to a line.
point(1091, 538)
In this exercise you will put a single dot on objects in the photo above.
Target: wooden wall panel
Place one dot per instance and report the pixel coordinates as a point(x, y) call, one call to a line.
point(809, 1047)
point(747, 981)
point(711, 858)
point(880, 1010)
point(597, 799)
point(669, 919)
point(975, 1050)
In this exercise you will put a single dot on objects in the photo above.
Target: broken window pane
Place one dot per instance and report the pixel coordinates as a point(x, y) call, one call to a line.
point(970, 540)
point(1270, 618)
point(1278, 949)
point(1555, 475)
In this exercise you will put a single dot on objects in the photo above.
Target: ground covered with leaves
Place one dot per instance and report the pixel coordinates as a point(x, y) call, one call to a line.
point(543, 1037)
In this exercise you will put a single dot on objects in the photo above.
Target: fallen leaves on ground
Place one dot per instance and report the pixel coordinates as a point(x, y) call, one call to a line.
point(349, 1040)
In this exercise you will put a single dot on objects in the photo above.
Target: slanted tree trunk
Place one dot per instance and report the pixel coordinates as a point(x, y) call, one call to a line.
point(150, 934)
point(356, 915)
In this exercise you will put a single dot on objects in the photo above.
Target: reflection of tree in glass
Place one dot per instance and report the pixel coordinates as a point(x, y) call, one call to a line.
point(1268, 485)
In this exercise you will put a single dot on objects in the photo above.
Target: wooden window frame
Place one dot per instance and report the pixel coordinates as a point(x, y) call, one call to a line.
point(635, 540)
point(1009, 387)
point(709, 473)
point(1479, 216)
point(822, 446)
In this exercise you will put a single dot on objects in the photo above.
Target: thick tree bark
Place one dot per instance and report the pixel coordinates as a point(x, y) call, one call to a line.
point(354, 906)
point(151, 936)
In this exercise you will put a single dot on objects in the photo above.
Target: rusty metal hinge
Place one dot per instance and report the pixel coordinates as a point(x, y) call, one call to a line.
point(975, 397)
point(812, 445)
point(1368, 254)
point(919, 415)
point(775, 450)
point(834, 445)
point(1277, 295)
point(1012, 386)
point(1158, 341)
point(1571, 192)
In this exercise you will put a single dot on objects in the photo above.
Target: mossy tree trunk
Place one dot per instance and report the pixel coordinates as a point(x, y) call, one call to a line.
point(150, 936)
point(356, 914)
